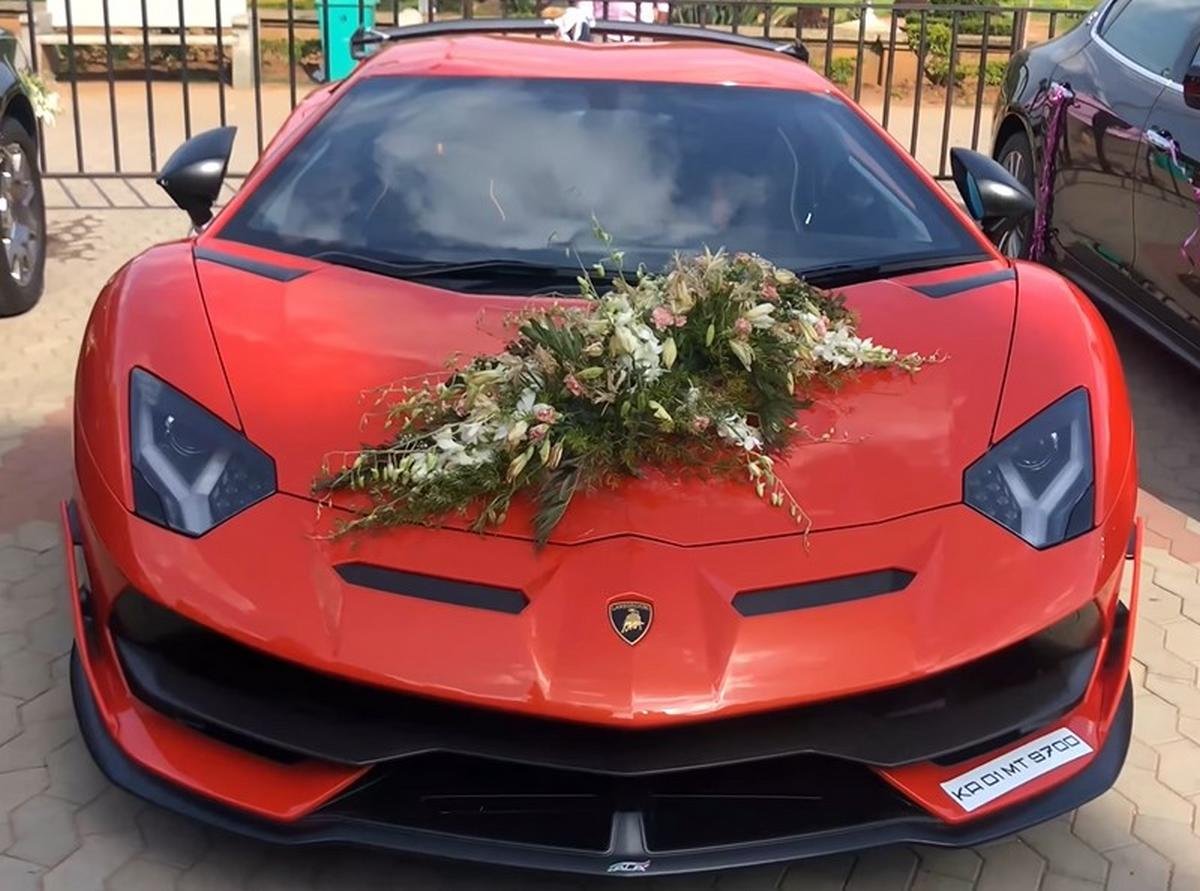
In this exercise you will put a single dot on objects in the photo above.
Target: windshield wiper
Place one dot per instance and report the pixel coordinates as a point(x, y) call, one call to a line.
point(837, 274)
point(477, 272)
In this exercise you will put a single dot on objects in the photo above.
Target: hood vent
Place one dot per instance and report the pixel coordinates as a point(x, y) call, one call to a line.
point(852, 587)
point(427, 587)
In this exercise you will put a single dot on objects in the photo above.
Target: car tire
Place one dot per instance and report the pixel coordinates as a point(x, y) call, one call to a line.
point(22, 221)
point(1016, 156)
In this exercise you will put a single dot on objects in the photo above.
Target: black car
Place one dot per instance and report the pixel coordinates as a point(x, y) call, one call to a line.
point(22, 207)
point(1126, 191)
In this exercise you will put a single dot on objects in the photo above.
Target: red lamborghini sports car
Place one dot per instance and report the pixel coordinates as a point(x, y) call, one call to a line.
point(942, 658)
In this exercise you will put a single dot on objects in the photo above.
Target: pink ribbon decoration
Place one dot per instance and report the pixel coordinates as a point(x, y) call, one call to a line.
point(1191, 245)
point(1056, 99)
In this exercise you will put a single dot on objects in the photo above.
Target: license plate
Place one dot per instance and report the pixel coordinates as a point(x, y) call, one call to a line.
point(1003, 774)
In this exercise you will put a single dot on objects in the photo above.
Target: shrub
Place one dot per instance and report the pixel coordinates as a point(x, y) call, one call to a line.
point(936, 40)
point(841, 71)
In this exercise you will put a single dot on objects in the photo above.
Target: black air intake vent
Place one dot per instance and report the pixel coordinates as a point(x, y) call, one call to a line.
point(427, 587)
point(822, 593)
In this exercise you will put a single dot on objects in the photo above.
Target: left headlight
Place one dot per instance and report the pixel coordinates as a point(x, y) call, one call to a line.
point(191, 470)
point(1038, 480)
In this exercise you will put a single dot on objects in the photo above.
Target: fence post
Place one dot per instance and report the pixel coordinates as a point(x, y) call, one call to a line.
point(40, 25)
point(243, 54)
point(1020, 24)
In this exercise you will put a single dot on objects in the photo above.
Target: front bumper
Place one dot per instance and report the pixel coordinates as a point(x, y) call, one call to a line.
point(656, 817)
point(628, 845)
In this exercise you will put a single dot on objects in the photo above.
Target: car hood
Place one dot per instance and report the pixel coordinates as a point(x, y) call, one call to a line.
point(304, 357)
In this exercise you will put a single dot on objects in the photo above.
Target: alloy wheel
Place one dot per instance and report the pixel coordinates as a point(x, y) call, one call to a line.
point(1012, 243)
point(20, 224)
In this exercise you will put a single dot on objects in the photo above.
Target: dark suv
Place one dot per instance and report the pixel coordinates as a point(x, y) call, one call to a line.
point(1126, 200)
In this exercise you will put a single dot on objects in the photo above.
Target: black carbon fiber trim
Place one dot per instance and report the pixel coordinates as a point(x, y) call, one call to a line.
point(949, 289)
point(266, 270)
point(425, 587)
point(853, 587)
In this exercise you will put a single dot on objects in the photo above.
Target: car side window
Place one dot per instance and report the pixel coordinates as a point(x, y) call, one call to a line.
point(1154, 34)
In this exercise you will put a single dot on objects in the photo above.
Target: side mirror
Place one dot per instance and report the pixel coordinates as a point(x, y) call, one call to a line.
point(193, 174)
point(1191, 87)
point(993, 196)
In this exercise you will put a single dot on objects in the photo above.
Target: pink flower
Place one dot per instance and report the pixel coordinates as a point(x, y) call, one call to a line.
point(460, 406)
point(538, 432)
point(742, 328)
point(573, 386)
point(700, 423)
point(680, 321)
point(821, 328)
point(662, 317)
point(545, 414)
point(769, 292)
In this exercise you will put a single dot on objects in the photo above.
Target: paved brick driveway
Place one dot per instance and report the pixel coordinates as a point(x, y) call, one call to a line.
point(64, 828)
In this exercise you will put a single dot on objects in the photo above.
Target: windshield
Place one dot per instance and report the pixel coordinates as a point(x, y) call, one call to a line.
point(453, 169)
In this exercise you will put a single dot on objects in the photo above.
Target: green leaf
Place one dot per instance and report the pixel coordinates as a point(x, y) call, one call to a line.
point(553, 498)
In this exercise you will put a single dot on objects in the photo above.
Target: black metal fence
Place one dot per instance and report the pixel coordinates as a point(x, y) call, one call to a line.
point(136, 77)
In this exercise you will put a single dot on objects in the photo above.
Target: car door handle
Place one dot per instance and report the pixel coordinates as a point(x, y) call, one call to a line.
point(1161, 140)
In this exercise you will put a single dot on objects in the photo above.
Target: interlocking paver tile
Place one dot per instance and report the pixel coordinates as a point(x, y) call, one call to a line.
point(43, 830)
point(1141, 754)
point(1149, 796)
point(16, 564)
point(143, 875)
point(1071, 856)
point(1010, 866)
point(74, 776)
point(1179, 767)
point(113, 810)
point(935, 881)
point(958, 863)
point(10, 718)
point(883, 869)
point(1160, 606)
point(38, 535)
point(1183, 639)
point(29, 747)
point(1106, 822)
point(818, 874)
point(1175, 841)
point(1181, 694)
point(1149, 649)
point(1055, 882)
point(89, 867)
point(171, 838)
point(52, 633)
point(1190, 728)
point(1179, 579)
point(45, 582)
point(227, 864)
point(18, 786)
point(755, 879)
point(54, 703)
point(1137, 867)
point(1155, 720)
point(25, 673)
point(19, 875)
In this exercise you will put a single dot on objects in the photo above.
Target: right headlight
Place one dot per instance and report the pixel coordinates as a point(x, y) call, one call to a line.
point(1038, 480)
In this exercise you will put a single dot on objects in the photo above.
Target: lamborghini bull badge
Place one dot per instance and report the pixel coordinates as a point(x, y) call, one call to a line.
point(630, 619)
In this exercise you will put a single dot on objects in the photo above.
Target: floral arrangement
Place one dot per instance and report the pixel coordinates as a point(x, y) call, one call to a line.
point(43, 99)
point(699, 369)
